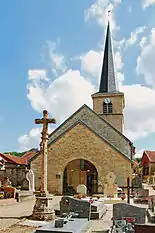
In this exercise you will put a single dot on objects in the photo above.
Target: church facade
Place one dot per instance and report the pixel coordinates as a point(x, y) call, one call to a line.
point(90, 143)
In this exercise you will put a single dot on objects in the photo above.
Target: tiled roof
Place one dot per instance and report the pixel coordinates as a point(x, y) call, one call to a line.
point(150, 155)
point(18, 160)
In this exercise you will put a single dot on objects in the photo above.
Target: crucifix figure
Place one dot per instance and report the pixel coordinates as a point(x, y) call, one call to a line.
point(43, 147)
point(128, 187)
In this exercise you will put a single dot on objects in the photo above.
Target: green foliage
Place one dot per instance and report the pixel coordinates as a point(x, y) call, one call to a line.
point(138, 159)
point(19, 154)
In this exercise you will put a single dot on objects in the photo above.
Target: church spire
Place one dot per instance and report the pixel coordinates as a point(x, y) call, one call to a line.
point(108, 82)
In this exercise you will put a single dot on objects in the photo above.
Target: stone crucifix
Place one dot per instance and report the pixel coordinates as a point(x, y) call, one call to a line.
point(45, 121)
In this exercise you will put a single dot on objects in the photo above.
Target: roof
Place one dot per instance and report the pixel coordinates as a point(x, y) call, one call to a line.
point(8, 158)
point(77, 122)
point(83, 106)
point(108, 81)
point(150, 155)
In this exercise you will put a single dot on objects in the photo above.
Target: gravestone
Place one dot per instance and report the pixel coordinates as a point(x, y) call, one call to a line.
point(141, 196)
point(30, 178)
point(25, 184)
point(121, 210)
point(143, 228)
point(100, 189)
point(151, 208)
point(151, 201)
point(150, 180)
point(143, 193)
point(81, 188)
point(69, 204)
point(136, 182)
point(110, 189)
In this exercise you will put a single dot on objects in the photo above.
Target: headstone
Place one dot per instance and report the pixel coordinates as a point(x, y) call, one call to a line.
point(81, 188)
point(151, 202)
point(121, 210)
point(100, 189)
point(69, 204)
point(143, 193)
point(150, 180)
point(141, 196)
point(143, 228)
point(30, 178)
point(136, 182)
point(25, 184)
point(110, 189)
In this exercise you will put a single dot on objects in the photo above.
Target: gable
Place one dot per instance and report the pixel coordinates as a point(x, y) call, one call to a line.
point(145, 159)
point(98, 125)
point(81, 133)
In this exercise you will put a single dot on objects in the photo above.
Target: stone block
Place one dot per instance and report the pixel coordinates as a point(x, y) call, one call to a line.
point(121, 210)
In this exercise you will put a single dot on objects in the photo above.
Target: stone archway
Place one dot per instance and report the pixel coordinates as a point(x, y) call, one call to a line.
point(80, 171)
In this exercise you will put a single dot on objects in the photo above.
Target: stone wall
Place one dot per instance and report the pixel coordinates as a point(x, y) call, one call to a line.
point(16, 175)
point(117, 100)
point(81, 143)
point(99, 126)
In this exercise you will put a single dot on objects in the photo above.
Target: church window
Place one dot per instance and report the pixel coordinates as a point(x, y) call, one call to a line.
point(104, 108)
point(110, 107)
point(107, 108)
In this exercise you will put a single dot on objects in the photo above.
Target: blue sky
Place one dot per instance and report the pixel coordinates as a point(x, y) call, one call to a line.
point(63, 39)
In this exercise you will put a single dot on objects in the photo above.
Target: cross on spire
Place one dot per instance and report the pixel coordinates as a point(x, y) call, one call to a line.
point(108, 81)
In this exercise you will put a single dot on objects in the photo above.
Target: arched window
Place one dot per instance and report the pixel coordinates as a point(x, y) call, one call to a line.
point(107, 108)
point(110, 107)
point(104, 108)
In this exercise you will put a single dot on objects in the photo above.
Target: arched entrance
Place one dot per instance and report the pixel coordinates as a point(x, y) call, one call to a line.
point(77, 172)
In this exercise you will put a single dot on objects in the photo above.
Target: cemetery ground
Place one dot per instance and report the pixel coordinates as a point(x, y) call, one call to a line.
point(12, 215)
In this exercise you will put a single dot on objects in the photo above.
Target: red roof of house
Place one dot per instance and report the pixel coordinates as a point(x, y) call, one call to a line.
point(18, 160)
point(150, 155)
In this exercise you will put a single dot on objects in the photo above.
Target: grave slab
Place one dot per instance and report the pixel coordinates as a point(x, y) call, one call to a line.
point(74, 225)
point(143, 228)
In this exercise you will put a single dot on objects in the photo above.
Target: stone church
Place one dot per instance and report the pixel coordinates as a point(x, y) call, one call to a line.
point(90, 143)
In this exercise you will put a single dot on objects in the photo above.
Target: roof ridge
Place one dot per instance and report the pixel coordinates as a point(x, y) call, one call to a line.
point(73, 125)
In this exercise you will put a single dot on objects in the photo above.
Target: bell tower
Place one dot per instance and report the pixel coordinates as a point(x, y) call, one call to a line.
point(108, 102)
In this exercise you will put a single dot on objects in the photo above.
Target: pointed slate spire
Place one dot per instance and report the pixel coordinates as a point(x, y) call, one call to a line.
point(108, 82)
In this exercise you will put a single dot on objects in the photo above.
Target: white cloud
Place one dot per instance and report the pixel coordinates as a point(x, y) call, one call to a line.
point(57, 59)
point(147, 3)
point(134, 36)
point(139, 111)
point(37, 75)
point(62, 96)
point(32, 139)
point(91, 62)
point(99, 12)
point(145, 61)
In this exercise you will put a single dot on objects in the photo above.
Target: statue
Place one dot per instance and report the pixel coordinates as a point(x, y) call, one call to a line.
point(110, 189)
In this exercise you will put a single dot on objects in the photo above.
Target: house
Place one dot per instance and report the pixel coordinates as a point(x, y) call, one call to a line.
point(148, 163)
point(15, 167)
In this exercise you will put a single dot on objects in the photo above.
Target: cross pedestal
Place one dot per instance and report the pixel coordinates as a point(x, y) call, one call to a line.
point(43, 209)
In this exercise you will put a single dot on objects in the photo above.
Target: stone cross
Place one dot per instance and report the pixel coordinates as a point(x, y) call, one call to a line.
point(128, 187)
point(45, 121)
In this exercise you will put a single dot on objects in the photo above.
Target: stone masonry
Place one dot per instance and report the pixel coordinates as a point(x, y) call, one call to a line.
point(81, 143)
